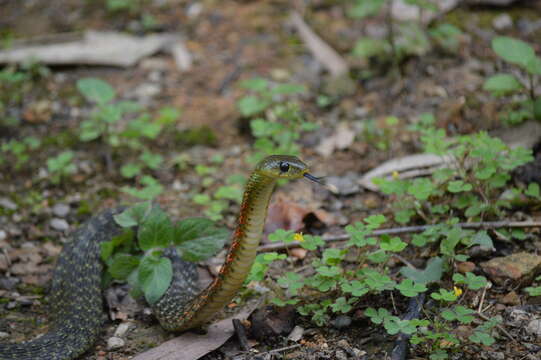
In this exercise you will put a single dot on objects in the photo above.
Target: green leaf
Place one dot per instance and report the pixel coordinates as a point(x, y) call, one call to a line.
point(123, 265)
point(155, 275)
point(534, 66)
point(258, 84)
point(312, 242)
point(374, 221)
point(457, 186)
point(130, 170)
point(432, 273)
point(151, 160)
point(364, 8)
point(410, 289)
point(533, 190)
point(355, 288)
point(502, 84)
point(106, 250)
point(134, 214)
point(96, 90)
point(483, 239)
point(421, 188)
point(537, 108)
point(288, 89)
point(155, 231)
point(393, 244)
point(251, 105)
point(291, 281)
point(513, 50)
point(367, 47)
point(533, 291)
point(198, 239)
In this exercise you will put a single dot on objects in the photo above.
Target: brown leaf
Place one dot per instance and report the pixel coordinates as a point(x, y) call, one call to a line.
point(341, 139)
point(190, 346)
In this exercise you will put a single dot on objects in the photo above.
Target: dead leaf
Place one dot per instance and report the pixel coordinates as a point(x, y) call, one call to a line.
point(341, 139)
point(190, 346)
point(406, 167)
point(324, 53)
point(93, 48)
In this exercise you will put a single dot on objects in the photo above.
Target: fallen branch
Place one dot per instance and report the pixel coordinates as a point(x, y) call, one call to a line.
point(408, 230)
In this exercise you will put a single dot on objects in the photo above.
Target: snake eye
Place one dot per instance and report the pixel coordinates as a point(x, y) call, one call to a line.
point(284, 166)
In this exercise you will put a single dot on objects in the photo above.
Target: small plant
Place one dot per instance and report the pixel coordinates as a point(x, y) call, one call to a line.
point(19, 150)
point(470, 188)
point(276, 119)
point(14, 83)
point(125, 128)
point(522, 55)
point(138, 256)
point(61, 166)
point(404, 38)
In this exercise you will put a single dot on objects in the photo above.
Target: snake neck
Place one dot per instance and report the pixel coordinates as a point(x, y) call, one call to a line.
point(239, 259)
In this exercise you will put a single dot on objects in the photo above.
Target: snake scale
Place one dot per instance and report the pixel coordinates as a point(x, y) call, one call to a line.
point(76, 293)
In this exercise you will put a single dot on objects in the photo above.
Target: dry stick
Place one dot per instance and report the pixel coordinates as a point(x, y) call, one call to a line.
point(410, 229)
point(241, 335)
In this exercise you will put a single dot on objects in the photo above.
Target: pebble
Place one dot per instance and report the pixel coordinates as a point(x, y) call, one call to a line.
point(534, 327)
point(59, 224)
point(3, 235)
point(504, 21)
point(493, 355)
point(61, 210)
point(296, 334)
point(11, 305)
point(115, 343)
point(341, 321)
point(8, 283)
point(340, 355)
point(7, 204)
point(122, 329)
point(3, 335)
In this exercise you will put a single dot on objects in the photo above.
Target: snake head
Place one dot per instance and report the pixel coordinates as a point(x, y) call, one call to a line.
point(284, 167)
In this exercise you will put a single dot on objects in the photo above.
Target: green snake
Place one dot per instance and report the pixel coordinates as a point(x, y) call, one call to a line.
point(76, 294)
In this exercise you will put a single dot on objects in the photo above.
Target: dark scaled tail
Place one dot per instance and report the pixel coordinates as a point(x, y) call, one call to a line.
point(75, 298)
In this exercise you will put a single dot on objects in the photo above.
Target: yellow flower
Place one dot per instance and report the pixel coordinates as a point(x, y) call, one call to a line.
point(458, 291)
point(298, 237)
point(395, 175)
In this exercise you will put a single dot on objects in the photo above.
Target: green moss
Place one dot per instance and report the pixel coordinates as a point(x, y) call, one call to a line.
point(64, 139)
point(202, 135)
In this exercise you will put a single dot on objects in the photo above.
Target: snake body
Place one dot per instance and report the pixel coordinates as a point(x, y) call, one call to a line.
point(76, 299)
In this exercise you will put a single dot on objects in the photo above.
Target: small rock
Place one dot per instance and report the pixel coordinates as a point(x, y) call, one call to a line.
point(343, 343)
point(7, 204)
point(520, 267)
point(8, 283)
point(296, 334)
point(504, 21)
point(511, 298)
point(341, 321)
point(343, 185)
point(534, 327)
point(4, 262)
point(269, 322)
point(299, 253)
point(11, 305)
point(3, 335)
point(3, 235)
point(122, 329)
point(115, 343)
point(340, 355)
point(59, 224)
point(61, 210)
point(493, 355)
point(466, 266)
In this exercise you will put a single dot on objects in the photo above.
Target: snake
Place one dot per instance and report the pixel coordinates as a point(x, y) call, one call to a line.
point(76, 301)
